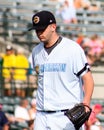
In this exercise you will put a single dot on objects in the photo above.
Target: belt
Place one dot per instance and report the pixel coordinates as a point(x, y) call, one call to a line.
point(53, 111)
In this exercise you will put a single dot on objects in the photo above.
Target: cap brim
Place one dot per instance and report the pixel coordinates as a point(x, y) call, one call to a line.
point(9, 49)
point(38, 28)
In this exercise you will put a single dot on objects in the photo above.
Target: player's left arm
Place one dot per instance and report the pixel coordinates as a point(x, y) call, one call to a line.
point(88, 84)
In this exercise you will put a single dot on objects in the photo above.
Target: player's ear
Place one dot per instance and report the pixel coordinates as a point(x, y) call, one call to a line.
point(53, 27)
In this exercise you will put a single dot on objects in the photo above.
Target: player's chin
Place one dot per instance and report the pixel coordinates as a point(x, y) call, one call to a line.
point(42, 39)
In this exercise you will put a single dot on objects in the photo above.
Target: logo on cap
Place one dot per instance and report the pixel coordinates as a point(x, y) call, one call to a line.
point(50, 21)
point(36, 19)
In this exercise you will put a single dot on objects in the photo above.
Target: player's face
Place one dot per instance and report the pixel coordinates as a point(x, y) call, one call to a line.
point(46, 34)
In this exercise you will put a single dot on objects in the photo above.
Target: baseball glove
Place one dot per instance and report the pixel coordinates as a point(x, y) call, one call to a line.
point(78, 114)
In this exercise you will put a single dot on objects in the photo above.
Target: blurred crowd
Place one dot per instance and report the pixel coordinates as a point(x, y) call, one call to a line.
point(23, 116)
point(16, 72)
point(95, 122)
point(93, 47)
point(66, 9)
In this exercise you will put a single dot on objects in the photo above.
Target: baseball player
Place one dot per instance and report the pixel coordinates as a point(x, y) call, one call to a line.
point(64, 76)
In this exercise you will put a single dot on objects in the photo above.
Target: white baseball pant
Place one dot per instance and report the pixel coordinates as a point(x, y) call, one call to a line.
point(52, 121)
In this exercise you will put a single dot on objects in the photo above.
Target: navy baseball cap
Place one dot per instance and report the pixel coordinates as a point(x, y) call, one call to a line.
point(41, 20)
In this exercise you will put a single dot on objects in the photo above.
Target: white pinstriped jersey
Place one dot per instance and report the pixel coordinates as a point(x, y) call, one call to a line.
point(59, 87)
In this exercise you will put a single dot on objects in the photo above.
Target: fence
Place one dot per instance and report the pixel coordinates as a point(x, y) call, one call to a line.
point(28, 86)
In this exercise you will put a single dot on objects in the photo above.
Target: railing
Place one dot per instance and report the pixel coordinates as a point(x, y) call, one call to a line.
point(28, 86)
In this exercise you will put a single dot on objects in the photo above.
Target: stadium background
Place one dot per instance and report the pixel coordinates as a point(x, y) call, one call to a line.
point(15, 19)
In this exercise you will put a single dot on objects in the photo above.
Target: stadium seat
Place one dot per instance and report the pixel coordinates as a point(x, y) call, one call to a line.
point(5, 100)
point(29, 99)
point(100, 117)
point(22, 125)
point(17, 100)
point(1, 100)
point(13, 126)
point(8, 108)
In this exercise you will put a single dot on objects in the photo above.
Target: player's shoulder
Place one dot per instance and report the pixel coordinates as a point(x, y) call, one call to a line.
point(37, 48)
point(70, 42)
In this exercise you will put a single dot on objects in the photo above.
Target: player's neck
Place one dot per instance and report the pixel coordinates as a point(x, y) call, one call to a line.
point(52, 41)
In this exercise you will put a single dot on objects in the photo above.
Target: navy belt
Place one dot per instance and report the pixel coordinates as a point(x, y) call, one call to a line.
point(53, 111)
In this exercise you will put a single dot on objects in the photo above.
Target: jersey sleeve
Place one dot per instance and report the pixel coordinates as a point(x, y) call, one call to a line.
point(81, 65)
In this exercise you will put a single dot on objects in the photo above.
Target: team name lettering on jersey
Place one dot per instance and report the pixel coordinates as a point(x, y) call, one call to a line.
point(53, 67)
